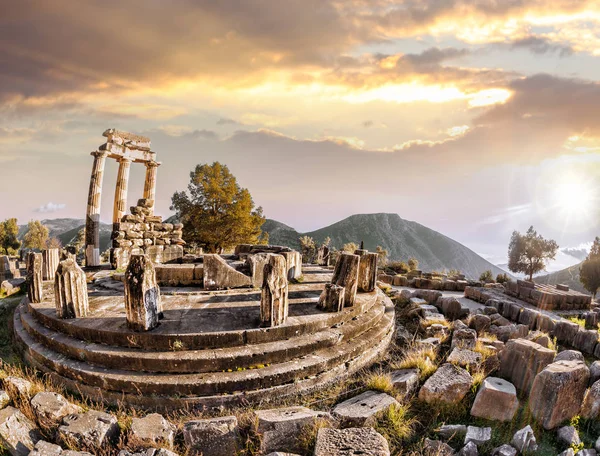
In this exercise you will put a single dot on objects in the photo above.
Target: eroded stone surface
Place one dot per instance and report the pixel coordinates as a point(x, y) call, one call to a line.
point(17, 386)
point(142, 294)
point(70, 291)
point(350, 442)
point(437, 448)
point(50, 408)
point(219, 275)
point(590, 409)
point(91, 429)
point(212, 437)
point(346, 275)
point(34, 277)
point(524, 440)
point(568, 435)
point(280, 428)
point(521, 360)
point(18, 434)
point(478, 435)
point(558, 392)
point(448, 384)
point(496, 400)
point(464, 357)
point(504, 450)
point(274, 295)
point(449, 431)
point(153, 429)
point(405, 381)
point(569, 355)
point(361, 410)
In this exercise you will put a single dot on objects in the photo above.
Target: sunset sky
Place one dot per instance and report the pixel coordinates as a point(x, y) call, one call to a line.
point(473, 118)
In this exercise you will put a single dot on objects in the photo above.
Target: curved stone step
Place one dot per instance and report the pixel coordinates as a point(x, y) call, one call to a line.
point(198, 361)
point(113, 331)
point(167, 404)
point(207, 384)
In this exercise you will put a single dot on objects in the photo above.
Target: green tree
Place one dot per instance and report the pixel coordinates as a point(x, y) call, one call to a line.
point(9, 230)
point(528, 253)
point(486, 276)
point(350, 247)
point(413, 263)
point(589, 273)
point(79, 241)
point(36, 236)
point(308, 249)
point(382, 256)
point(502, 278)
point(216, 212)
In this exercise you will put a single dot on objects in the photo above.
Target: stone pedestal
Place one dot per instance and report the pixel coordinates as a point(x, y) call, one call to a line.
point(34, 277)
point(274, 296)
point(332, 298)
point(367, 270)
point(70, 291)
point(142, 295)
point(346, 275)
point(50, 260)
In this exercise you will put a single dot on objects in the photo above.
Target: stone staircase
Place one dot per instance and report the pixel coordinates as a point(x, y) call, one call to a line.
point(182, 364)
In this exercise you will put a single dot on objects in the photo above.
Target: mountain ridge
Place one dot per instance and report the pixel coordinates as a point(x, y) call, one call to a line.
point(402, 238)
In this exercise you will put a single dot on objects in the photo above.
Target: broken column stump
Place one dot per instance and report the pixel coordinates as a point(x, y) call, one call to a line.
point(70, 291)
point(332, 298)
point(367, 270)
point(143, 306)
point(274, 296)
point(346, 275)
point(34, 277)
point(323, 256)
point(51, 258)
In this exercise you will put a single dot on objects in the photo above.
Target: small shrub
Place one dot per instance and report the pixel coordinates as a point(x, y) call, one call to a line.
point(503, 278)
point(486, 276)
point(579, 321)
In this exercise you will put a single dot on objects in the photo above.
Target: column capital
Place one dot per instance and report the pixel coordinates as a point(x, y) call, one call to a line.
point(99, 153)
point(124, 160)
point(152, 164)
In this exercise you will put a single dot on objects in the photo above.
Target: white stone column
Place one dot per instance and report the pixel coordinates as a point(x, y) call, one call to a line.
point(150, 182)
point(92, 221)
point(120, 208)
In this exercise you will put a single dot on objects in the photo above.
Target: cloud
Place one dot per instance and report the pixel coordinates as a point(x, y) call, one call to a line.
point(541, 45)
point(226, 121)
point(367, 123)
point(203, 134)
point(50, 207)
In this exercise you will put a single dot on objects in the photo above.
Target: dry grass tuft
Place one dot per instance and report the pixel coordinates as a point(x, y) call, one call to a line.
point(380, 381)
point(423, 358)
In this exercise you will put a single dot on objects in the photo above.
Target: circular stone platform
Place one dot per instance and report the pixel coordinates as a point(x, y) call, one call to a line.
point(209, 350)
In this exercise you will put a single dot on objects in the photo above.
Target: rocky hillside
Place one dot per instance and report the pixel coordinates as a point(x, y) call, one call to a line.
point(568, 276)
point(66, 229)
point(402, 238)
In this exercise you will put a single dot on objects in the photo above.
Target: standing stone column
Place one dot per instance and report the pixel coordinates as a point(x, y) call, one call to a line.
point(142, 296)
point(274, 296)
point(150, 182)
point(367, 270)
point(120, 208)
point(70, 291)
point(92, 221)
point(346, 275)
point(51, 258)
point(34, 277)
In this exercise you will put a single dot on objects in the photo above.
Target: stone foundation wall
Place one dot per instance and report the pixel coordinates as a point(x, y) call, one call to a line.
point(142, 232)
point(549, 297)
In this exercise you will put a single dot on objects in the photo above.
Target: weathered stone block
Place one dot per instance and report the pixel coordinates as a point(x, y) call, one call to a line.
point(478, 435)
point(568, 435)
point(569, 355)
point(448, 384)
point(405, 381)
point(293, 262)
point(142, 295)
point(464, 357)
point(50, 408)
point(256, 262)
point(70, 291)
point(219, 275)
point(18, 434)
point(437, 448)
point(565, 331)
point(18, 387)
point(504, 450)
point(34, 277)
point(451, 431)
point(352, 441)
point(346, 275)
point(43, 448)
point(212, 437)
point(524, 440)
point(280, 429)
point(590, 408)
point(91, 430)
point(153, 429)
point(274, 294)
point(558, 392)
point(586, 340)
point(521, 360)
point(496, 400)
point(332, 298)
point(361, 410)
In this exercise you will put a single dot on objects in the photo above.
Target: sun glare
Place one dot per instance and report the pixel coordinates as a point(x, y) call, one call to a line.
point(575, 199)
